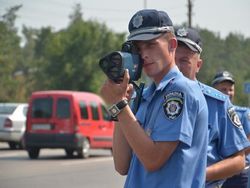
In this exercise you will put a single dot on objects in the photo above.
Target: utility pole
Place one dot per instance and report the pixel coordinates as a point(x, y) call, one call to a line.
point(190, 7)
point(145, 4)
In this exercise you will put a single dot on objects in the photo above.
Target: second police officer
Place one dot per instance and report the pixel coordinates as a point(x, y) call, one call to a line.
point(225, 156)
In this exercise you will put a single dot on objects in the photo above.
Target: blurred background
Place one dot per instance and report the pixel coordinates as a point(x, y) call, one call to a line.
point(57, 44)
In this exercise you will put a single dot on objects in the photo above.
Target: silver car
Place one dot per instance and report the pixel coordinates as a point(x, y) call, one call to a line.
point(12, 123)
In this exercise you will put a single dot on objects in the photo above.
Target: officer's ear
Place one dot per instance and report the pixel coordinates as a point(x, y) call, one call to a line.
point(172, 44)
point(199, 64)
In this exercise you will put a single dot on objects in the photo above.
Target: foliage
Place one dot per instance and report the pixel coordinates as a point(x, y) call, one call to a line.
point(64, 60)
point(68, 59)
point(232, 54)
point(10, 57)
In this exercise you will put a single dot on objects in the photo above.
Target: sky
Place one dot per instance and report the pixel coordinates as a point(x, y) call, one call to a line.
point(219, 16)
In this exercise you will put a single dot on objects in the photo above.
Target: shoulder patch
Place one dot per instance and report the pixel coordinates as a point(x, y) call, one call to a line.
point(234, 117)
point(173, 104)
point(211, 92)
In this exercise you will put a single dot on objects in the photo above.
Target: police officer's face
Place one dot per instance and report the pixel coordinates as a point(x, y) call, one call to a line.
point(227, 88)
point(188, 61)
point(157, 56)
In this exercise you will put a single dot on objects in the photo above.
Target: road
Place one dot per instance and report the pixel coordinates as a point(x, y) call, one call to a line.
point(53, 170)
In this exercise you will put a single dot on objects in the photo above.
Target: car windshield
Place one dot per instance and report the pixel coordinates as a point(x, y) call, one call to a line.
point(42, 108)
point(7, 109)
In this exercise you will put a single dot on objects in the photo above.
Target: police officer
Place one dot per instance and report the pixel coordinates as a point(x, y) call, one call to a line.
point(224, 82)
point(164, 144)
point(225, 156)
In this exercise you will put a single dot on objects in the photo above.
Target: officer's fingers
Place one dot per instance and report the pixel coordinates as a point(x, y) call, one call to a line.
point(104, 87)
point(130, 88)
point(130, 91)
point(126, 78)
point(107, 84)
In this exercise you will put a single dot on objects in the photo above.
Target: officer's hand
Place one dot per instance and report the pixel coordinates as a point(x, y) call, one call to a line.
point(113, 92)
point(129, 87)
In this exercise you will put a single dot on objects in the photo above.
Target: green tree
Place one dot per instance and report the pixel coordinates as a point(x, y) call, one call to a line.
point(10, 58)
point(232, 54)
point(29, 62)
point(68, 59)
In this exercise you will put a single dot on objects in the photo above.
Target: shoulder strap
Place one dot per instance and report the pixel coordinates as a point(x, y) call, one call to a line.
point(212, 92)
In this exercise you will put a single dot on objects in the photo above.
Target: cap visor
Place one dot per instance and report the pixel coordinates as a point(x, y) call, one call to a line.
point(188, 44)
point(223, 79)
point(143, 36)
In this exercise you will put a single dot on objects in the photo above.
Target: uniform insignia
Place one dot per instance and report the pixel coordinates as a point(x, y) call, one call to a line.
point(173, 104)
point(213, 93)
point(182, 32)
point(234, 117)
point(226, 74)
point(137, 21)
point(248, 116)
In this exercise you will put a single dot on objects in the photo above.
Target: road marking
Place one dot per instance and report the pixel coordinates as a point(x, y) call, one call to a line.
point(86, 161)
point(13, 154)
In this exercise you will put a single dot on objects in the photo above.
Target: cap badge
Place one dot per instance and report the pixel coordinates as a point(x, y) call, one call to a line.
point(137, 21)
point(226, 74)
point(182, 32)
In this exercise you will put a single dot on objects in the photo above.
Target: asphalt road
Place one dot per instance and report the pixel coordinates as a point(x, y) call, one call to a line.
point(53, 170)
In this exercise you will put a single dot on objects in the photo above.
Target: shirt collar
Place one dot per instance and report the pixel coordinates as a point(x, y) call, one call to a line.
point(168, 78)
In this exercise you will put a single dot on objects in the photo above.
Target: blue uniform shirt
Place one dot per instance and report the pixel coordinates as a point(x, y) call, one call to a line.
point(244, 115)
point(226, 134)
point(175, 110)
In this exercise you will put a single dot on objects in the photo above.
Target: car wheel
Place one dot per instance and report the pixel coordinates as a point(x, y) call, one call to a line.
point(69, 152)
point(21, 144)
point(33, 153)
point(83, 152)
point(12, 145)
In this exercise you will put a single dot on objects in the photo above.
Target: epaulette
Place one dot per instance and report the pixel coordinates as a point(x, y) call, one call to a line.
point(212, 92)
point(241, 108)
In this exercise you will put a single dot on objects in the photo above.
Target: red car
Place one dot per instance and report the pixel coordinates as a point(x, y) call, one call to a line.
point(74, 121)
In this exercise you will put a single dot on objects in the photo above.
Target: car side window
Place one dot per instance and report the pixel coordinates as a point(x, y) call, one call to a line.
point(94, 110)
point(83, 110)
point(7, 109)
point(63, 108)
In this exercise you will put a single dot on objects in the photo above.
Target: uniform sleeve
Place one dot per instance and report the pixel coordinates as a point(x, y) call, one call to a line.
point(246, 121)
point(175, 118)
point(233, 138)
